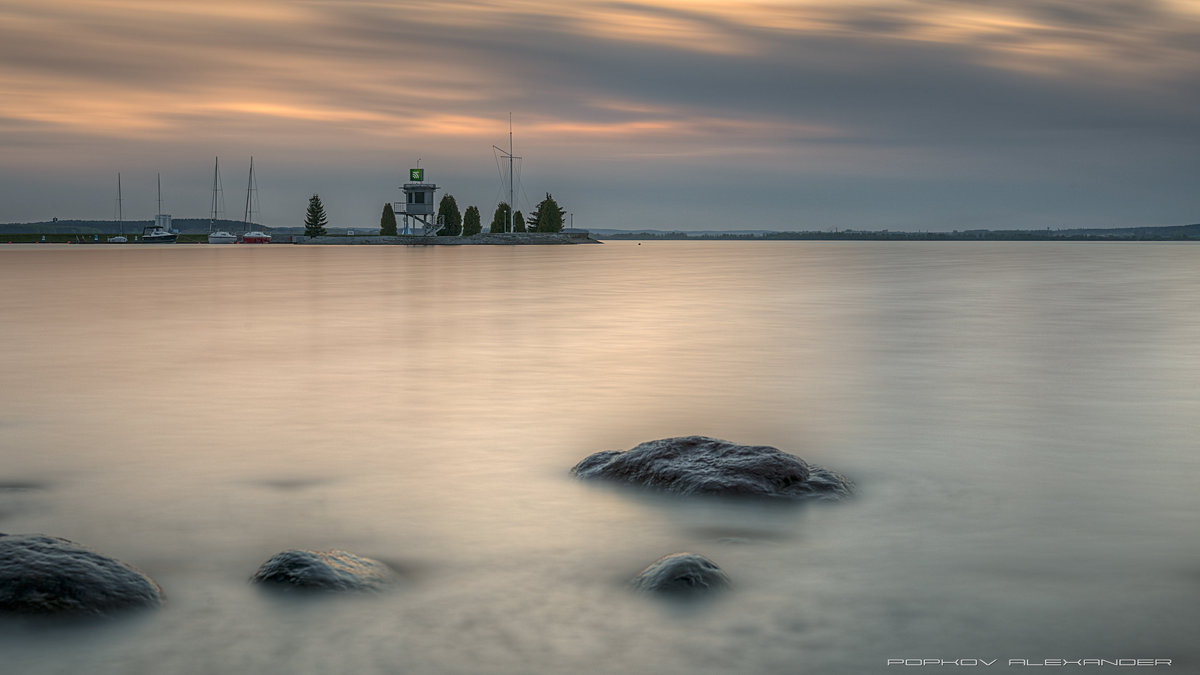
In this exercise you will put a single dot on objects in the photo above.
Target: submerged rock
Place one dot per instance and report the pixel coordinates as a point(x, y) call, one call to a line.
point(699, 465)
point(324, 571)
point(49, 575)
point(681, 574)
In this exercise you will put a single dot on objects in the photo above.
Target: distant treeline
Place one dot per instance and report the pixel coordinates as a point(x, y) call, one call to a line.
point(1169, 233)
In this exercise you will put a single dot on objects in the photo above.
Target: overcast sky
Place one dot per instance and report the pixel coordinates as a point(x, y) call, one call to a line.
point(669, 114)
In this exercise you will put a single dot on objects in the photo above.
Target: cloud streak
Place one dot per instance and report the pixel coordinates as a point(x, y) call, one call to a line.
point(890, 97)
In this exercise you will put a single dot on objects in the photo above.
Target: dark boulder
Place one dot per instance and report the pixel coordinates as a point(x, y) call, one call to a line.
point(683, 574)
point(699, 465)
point(324, 571)
point(49, 575)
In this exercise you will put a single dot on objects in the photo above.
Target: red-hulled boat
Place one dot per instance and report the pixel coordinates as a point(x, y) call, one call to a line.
point(256, 238)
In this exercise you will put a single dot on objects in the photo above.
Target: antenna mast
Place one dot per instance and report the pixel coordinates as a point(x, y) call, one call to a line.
point(511, 207)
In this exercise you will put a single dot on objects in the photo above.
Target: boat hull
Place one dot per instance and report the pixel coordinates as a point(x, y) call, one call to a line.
point(222, 238)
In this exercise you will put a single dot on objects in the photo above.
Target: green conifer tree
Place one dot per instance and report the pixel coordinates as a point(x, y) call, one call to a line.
point(448, 208)
point(500, 218)
point(518, 222)
point(471, 223)
point(387, 222)
point(548, 216)
point(314, 218)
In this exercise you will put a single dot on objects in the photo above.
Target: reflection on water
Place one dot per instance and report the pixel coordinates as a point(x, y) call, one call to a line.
point(1020, 420)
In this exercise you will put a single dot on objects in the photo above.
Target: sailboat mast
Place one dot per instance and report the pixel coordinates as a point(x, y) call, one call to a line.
point(212, 212)
point(160, 193)
point(120, 212)
point(251, 188)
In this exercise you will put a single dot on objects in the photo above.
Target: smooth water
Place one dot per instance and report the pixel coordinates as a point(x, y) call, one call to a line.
point(1021, 421)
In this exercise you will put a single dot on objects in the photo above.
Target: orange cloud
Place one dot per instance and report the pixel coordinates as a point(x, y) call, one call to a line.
point(129, 68)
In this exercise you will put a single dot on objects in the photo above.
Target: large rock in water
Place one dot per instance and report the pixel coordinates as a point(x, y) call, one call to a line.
point(684, 574)
point(699, 465)
point(49, 575)
point(324, 571)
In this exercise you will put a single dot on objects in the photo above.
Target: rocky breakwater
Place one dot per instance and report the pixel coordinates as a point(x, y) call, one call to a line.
point(48, 575)
point(699, 465)
point(323, 571)
point(482, 239)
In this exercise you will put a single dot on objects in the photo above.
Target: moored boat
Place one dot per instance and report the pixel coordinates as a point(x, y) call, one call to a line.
point(120, 237)
point(254, 236)
point(218, 207)
point(160, 232)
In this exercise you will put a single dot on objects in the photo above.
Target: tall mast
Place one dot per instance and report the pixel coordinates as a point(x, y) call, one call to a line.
point(217, 206)
point(251, 189)
point(511, 207)
point(160, 193)
point(120, 214)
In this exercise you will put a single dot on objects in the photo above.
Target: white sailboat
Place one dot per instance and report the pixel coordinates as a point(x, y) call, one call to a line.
point(218, 208)
point(256, 236)
point(120, 238)
point(160, 232)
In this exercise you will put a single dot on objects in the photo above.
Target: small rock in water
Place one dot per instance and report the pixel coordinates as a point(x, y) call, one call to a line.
point(681, 574)
point(49, 575)
point(324, 571)
point(699, 465)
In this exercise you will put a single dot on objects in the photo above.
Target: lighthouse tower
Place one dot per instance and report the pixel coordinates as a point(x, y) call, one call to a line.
point(418, 209)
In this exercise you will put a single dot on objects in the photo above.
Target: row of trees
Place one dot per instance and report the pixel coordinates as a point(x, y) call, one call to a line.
point(547, 217)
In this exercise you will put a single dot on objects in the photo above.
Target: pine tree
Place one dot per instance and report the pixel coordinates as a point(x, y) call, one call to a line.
point(471, 224)
point(448, 208)
point(387, 222)
point(548, 216)
point(500, 218)
point(518, 222)
point(314, 219)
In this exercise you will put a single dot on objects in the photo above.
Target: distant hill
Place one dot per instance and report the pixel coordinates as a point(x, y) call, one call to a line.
point(1164, 232)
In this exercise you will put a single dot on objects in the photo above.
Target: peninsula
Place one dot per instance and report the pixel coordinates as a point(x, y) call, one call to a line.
point(481, 239)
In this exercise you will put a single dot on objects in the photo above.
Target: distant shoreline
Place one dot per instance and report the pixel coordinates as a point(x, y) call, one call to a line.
point(193, 230)
point(1164, 233)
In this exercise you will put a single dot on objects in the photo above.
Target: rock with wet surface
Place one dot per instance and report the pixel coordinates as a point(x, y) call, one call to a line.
point(683, 574)
point(324, 571)
point(699, 465)
point(48, 575)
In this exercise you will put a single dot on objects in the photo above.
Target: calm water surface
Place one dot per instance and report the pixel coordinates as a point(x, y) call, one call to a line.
point(1021, 420)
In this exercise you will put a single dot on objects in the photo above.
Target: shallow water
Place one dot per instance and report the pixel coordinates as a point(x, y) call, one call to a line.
point(1021, 421)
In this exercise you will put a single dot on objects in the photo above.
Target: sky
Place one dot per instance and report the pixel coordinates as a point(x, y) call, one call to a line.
point(665, 114)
